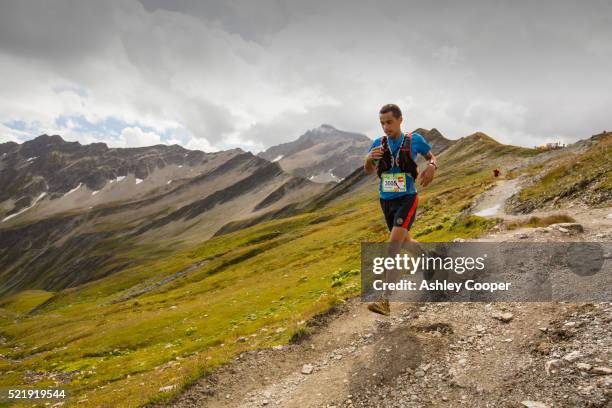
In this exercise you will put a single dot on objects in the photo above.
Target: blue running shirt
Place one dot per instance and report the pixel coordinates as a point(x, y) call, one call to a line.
point(419, 145)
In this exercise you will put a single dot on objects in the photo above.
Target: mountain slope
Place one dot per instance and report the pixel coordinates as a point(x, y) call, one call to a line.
point(67, 176)
point(321, 154)
point(581, 173)
point(62, 239)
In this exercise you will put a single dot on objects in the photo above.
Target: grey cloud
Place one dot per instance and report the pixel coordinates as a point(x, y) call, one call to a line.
point(266, 71)
point(253, 20)
point(54, 30)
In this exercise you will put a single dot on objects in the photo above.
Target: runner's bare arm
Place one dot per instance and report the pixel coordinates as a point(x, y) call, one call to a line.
point(428, 175)
point(375, 154)
point(430, 157)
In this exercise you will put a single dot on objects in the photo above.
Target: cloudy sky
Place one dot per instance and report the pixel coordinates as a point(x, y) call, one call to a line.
point(214, 75)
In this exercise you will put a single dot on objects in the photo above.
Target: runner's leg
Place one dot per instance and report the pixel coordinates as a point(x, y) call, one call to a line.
point(402, 220)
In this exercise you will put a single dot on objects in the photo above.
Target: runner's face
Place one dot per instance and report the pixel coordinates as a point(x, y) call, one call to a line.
point(390, 124)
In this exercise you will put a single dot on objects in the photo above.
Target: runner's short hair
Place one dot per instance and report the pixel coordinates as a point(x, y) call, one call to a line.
point(390, 107)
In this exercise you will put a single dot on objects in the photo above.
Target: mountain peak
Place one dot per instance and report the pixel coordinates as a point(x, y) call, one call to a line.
point(321, 153)
point(47, 138)
point(41, 144)
point(482, 137)
point(44, 143)
point(436, 140)
point(326, 126)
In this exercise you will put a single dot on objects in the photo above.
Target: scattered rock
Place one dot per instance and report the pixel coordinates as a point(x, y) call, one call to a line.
point(569, 227)
point(307, 369)
point(534, 404)
point(571, 357)
point(605, 382)
point(504, 317)
point(601, 370)
point(552, 366)
point(241, 339)
point(167, 388)
point(583, 366)
point(543, 348)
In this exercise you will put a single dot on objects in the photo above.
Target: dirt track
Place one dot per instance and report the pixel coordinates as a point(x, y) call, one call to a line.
point(436, 354)
point(443, 354)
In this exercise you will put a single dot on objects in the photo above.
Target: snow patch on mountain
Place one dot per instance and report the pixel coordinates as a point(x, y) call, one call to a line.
point(74, 189)
point(27, 208)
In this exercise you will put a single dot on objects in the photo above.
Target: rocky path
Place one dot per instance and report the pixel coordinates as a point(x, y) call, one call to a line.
point(491, 203)
point(436, 354)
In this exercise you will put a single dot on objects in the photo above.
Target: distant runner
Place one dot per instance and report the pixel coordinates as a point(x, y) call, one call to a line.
point(393, 157)
point(496, 172)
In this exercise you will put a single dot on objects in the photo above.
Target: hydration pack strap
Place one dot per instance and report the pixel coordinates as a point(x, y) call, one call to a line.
point(403, 146)
point(405, 140)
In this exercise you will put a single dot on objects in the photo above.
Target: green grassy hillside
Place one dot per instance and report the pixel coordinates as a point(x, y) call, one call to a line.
point(585, 175)
point(167, 320)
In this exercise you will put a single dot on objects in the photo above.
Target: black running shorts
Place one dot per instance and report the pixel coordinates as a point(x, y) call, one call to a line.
point(400, 211)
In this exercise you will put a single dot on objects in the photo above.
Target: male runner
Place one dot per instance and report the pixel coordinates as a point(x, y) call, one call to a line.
point(398, 195)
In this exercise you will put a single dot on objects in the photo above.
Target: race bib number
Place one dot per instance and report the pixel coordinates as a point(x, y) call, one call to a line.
point(393, 182)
